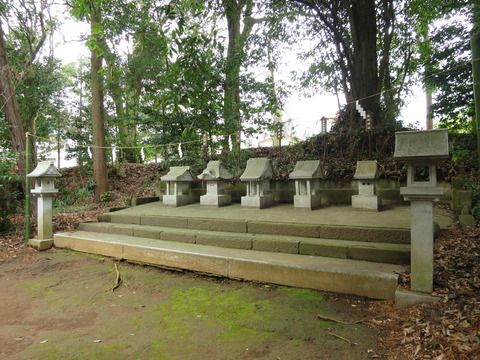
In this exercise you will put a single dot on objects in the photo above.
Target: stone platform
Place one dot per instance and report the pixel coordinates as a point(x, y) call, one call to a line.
point(333, 248)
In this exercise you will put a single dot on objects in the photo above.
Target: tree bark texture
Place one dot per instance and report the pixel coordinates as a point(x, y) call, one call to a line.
point(10, 106)
point(98, 117)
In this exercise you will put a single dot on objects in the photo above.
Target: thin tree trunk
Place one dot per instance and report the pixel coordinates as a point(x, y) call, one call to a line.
point(98, 119)
point(10, 106)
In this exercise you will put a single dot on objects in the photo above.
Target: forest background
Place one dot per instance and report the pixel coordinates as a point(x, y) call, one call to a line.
point(176, 81)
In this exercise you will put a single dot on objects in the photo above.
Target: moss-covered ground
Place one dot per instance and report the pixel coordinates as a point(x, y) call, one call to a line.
point(60, 305)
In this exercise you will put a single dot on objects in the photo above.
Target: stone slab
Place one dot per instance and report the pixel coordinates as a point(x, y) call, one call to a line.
point(275, 245)
point(178, 236)
point(121, 230)
point(384, 253)
point(165, 221)
point(322, 249)
point(398, 236)
point(238, 226)
point(366, 202)
point(41, 244)
point(117, 217)
point(215, 200)
point(97, 227)
point(234, 242)
point(405, 298)
point(467, 221)
point(258, 202)
point(147, 233)
point(274, 228)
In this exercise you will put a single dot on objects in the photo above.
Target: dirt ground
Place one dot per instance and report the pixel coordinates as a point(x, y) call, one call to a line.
point(60, 305)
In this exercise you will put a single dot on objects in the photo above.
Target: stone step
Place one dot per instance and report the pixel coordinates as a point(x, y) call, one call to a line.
point(344, 249)
point(309, 230)
point(362, 278)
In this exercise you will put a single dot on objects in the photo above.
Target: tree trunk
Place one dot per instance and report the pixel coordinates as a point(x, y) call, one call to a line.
point(364, 72)
point(98, 119)
point(231, 111)
point(11, 108)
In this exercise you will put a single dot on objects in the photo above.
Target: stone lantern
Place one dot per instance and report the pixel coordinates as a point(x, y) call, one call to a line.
point(307, 175)
point(421, 150)
point(44, 176)
point(257, 174)
point(215, 175)
point(367, 175)
point(178, 186)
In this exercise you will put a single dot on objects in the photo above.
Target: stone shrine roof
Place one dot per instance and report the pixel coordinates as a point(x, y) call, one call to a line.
point(178, 173)
point(45, 169)
point(366, 170)
point(307, 169)
point(258, 169)
point(215, 171)
point(421, 145)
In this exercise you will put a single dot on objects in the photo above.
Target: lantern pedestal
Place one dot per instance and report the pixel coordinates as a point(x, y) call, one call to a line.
point(44, 174)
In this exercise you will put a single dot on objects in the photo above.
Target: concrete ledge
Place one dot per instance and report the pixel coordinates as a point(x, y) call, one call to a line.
point(327, 274)
point(405, 298)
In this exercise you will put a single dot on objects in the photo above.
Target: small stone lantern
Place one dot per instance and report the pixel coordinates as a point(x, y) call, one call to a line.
point(44, 176)
point(421, 150)
point(178, 186)
point(367, 175)
point(215, 175)
point(257, 174)
point(307, 175)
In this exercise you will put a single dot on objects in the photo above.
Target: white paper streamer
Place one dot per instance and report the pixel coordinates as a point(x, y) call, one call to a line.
point(142, 153)
point(230, 142)
point(89, 151)
point(180, 150)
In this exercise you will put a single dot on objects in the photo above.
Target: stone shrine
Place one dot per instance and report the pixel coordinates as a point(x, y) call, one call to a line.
point(178, 186)
point(307, 175)
point(44, 176)
point(421, 150)
point(257, 174)
point(366, 174)
point(215, 175)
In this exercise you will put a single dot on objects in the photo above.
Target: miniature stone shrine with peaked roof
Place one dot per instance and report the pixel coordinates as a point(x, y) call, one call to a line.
point(257, 175)
point(215, 175)
point(307, 175)
point(366, 174)
point(178, 181)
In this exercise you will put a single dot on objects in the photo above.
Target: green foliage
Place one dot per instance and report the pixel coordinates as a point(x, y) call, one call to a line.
point(105, 197)
point(10, 185)
point(473, 186)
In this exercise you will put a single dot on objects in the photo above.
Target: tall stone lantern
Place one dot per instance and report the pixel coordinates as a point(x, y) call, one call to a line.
point(215, 175)
point(307, 175)
point(44, 176)
point(421, 150)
